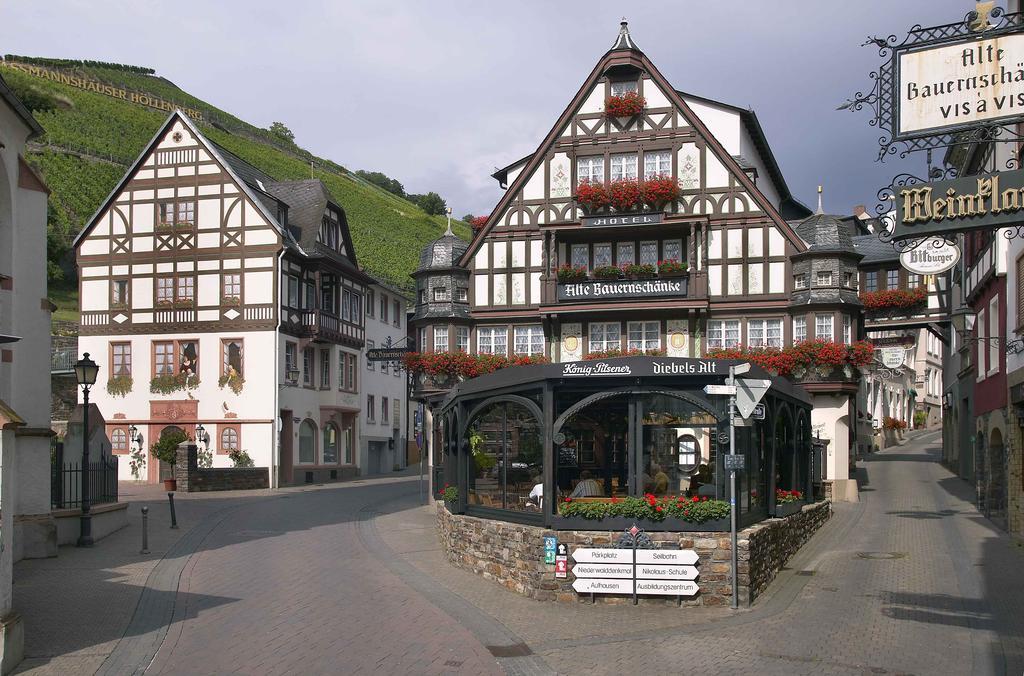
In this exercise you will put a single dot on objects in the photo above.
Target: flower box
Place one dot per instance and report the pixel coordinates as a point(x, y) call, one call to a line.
point(804, 360)
point(167, 384)
point(639, 270)
point(592, 197)
point(617, 524)
point(614, 352)
point(607, 272)
point(657, 192)
point(233, 380)
point(624, 195)
point(570, 273)
point(788, 509)
point(672, 268)
point(231, 300)
point(894, 300)
point(119, 386)
point(444, 369)
point(625, 105)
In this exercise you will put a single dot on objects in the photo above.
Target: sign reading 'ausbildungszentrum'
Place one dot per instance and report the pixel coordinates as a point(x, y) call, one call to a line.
point(964, 83)
point(959, 205)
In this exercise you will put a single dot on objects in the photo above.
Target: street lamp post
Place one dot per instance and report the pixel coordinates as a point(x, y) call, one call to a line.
point(85, 373)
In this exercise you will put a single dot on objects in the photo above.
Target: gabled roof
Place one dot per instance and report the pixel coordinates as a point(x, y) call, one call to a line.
point(616, 55)
point(8, 95)
point(875, 250)
point(210, 147)
point(307, 200)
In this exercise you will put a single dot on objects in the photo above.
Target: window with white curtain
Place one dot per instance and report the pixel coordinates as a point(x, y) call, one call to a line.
point(462, 338)
point(620, 88)
point(723, 334)
point(644, 335)
point(492, 340)
point(672, 250)
point(626, 253)
point(823, 327)
point(764, 333)
point(648, 253)
point(604, 336)
point(623, 166)
point(602, 255)
point(440, 339)
point(528, 340)
point(590, 169)
point(580, 256)
point(657, 163)
point(847, 329)
point(799, 329)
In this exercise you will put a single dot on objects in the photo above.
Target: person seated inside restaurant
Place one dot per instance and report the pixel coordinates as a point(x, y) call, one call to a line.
point(660, 480)
point(588, 487)
point(536, 497)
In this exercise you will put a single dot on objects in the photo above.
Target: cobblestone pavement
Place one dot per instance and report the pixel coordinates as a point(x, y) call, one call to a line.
point(349, 578)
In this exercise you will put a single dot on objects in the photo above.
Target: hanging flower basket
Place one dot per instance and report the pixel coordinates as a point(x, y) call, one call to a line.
point(625, 105)
point(624, 195)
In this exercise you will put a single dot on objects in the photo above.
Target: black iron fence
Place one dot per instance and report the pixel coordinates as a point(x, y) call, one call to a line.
point(66, 480)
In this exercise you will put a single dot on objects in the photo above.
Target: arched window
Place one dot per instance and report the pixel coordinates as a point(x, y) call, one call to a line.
point(119, 441)
point(689, 452)
point(228, 440)
point(507, 461)
point(330, 444)
point(307, 442)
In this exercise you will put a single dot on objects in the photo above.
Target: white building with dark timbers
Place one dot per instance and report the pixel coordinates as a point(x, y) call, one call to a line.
point(213, 295)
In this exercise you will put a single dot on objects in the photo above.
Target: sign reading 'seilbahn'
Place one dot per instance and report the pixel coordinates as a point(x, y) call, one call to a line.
point(623, 288)
point(959, 205)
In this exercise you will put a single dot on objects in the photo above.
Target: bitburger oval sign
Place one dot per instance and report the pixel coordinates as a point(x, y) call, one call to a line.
point(931, 258)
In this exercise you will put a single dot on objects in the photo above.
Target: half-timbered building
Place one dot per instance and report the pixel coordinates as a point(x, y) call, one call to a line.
point(667, 230)
point(213, 295)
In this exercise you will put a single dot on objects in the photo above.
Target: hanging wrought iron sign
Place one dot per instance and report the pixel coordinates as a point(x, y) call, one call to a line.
point(951, 84)
point(933, 259)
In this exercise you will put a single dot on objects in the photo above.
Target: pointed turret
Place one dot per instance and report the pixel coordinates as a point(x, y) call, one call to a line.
point(623, 40)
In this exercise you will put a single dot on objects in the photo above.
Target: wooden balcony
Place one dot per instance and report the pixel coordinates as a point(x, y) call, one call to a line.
point(330, 328)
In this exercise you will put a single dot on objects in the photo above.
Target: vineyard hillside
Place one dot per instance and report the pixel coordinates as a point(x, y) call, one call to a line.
point(91, 139)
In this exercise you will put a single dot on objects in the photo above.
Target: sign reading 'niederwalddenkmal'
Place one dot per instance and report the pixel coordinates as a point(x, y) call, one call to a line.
point(958, 205)
point(623, 288)
point(623, 219)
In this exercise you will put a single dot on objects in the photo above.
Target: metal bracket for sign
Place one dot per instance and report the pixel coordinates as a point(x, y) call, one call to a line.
point(634, 537)
point(882, 97)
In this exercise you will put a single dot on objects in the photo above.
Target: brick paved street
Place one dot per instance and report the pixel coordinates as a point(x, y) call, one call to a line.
point(349, 579)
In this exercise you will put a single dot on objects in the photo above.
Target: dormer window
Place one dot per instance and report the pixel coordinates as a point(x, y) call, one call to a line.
point(624, 87)
point(440, 293)
point(330, 230)
point(824, 278)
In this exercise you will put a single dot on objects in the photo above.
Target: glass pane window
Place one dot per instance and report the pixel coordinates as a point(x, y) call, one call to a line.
point(440, 293)
point(229, 440)
point(492, 340)
point(648, 253)
point(644, 335)
point(913, 280)
point(823, 327)
point(625, 87)
point(799, 329)
point(232, 287)
point(590, 169)
point(163, 358)
point(119, 441)
point(330, 444)
point(689, 452)
point(307, 366)
point(164, 290)
point(188, 357)
point(602, 255)
point(119, 292)
point(672, 250)
point(892, 279)
point(800, 281)
point(186, 213)
point(462, 294)
point(307, 442)
point(506, 469)
point(121, 358)
point(371, 408)
point(847, 329)
point(231, 357)
point(623, 167)
point(764, 333)
point(440, 339)
point(325, 368)
point(625, 253)
point(529, 340)
point(824, 278)
point(580, 256)
point(658, 164)
point(186, 288)
point(723, 334)
point(604, 336)
point(871, 281)
point(462, 338)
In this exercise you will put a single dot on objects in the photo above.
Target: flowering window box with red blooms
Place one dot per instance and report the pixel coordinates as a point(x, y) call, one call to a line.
point(892, 424)
point(571, 273)
point(657, 192)
point(639, 271)
point(592, 197)
point(478, 222)
point(456, 366)
point(626, 105)
point(892, 300)
point(613, 353)
point(624, 195)
point(607, 272)
point(709, 513)
point(672, 268)
point(837, 359)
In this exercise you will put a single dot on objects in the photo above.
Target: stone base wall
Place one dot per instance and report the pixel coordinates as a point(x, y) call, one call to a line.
point(191, 478)
point(512, 555)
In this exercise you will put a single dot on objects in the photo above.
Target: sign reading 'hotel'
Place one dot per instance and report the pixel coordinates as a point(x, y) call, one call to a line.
point(623, 288)
point(959, 205)
point(622, 219)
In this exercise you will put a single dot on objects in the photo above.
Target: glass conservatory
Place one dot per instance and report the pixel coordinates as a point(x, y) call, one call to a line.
point(522, 443)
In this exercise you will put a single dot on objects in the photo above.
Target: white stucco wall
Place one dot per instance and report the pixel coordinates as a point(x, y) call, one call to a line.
point(381, 384)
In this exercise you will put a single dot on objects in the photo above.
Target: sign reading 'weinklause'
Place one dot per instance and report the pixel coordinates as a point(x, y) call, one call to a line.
point(622, 288)
point(959, 205)
point(967, 82)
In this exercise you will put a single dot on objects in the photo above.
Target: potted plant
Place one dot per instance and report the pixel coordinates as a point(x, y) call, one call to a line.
point(788, 502)
point(571, 273)
point(592, 197)
point(672, 268)
point(119, 386)
point(232, 379)
point(657, 192)
point(240, 458)
point(624, 105)
point(166, 450)
point(607, 272)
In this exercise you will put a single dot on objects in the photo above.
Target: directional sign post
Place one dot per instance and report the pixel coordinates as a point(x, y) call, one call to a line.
point(749, 392)
point(720, 389)
point(590, 586)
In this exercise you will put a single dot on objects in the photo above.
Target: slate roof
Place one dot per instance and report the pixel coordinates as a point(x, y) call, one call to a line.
point(444, 252)
point(874, 250)
point(307, 200)
point(825, 232)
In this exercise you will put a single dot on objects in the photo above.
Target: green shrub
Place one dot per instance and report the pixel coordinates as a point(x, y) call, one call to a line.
point(692, 510)
point(166, 449)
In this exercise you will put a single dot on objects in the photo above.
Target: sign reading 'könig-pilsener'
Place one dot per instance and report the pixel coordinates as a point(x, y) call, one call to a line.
point(623, 288)
point(959, 205)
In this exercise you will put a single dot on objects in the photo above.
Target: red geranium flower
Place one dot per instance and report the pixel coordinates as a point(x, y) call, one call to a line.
point(568, 499)
point(658, 508)
point(696, 499)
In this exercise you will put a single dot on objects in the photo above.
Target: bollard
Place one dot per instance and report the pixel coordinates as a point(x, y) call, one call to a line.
point(145, 531)
point(174, 518)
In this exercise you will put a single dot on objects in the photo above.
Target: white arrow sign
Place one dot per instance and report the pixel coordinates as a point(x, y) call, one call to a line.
point(671, 588)
point(686, 557)
point(655, 571)
point(720, 389)
point(605, 570)
point(592, 586)
point(587, 555)
point(749, 393)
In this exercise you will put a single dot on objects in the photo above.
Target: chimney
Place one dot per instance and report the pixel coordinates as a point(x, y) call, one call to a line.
point(860, 212)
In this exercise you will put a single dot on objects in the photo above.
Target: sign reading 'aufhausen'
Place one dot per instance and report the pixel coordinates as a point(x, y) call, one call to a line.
point(959, 205)
point(623, 288)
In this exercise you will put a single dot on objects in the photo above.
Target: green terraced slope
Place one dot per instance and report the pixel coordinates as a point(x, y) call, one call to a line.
point(91, 139)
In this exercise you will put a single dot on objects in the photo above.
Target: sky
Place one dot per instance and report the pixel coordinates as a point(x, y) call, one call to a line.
point(438, 94)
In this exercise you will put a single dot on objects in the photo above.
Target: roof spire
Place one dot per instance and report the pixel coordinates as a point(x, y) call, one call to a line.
point(448, 231)
point(820, 210)
point(624, 41)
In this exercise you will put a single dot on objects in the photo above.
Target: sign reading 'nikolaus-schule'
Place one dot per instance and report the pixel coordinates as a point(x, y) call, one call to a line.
point(958, 205)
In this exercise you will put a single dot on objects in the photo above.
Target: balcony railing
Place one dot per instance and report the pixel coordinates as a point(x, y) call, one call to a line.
point(63, 361)
point(330, 327)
